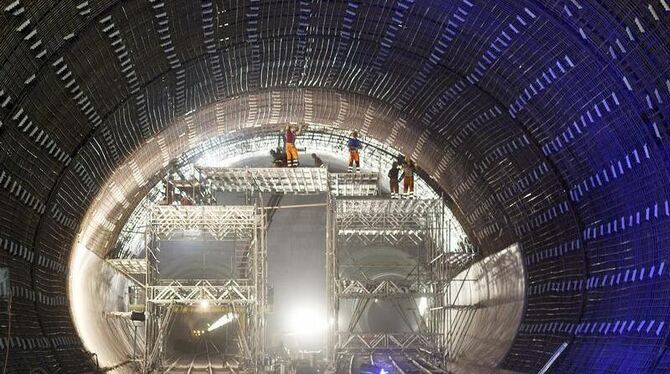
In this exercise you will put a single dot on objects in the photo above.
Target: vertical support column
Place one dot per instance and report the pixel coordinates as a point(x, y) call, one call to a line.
point(260, 277)
point(438, 268)
point(147, 290)
point(331, 278)
point(150, 310)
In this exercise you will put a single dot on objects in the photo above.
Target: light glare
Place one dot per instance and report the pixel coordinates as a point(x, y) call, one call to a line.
point(224, 320)
point(306, 321)
point(423, 305)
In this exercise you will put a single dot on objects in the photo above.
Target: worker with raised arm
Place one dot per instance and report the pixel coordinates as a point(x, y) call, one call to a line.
point(408, 178)
point(354, 146)
point(290, 134)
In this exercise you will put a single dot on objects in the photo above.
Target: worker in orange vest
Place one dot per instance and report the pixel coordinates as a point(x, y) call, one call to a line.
point(290, 134)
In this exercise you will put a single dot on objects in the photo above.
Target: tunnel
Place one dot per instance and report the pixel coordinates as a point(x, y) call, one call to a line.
point(541, 124)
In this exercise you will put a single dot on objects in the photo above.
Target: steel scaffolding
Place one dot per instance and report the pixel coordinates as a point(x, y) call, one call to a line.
point(357, 216)
point(245, 293)
point(271, 180)
point(417, 224)
point(297, 181)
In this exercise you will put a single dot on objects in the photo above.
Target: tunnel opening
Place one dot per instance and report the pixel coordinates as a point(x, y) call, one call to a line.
point(386, 262)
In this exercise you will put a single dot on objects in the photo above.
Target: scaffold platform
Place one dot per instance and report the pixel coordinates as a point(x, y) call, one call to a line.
point(297, 181)
point(130, 266)
point(271, 180)
point(364, 184)
point(385, 215)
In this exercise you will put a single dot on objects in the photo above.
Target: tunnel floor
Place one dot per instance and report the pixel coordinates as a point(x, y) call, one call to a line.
point(206, 359)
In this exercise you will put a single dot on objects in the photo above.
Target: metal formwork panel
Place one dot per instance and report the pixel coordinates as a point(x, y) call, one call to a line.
point(271, 180)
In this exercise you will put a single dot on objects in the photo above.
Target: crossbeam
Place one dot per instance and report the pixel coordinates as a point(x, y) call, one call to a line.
point(356, 289)
point(357, 342)
point(191, 292)
point(221, 222)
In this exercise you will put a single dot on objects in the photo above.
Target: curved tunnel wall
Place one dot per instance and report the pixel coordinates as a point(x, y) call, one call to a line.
point(482, 336)
point(545, 121)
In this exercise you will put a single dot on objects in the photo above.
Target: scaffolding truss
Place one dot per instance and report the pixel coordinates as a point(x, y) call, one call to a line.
point(221, 222)
point(246, 292)
point(357, 216)
point(419, 225)
point(369, 342)
point(357, 289)
point(194, 292)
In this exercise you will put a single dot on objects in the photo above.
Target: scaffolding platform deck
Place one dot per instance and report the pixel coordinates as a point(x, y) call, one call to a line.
point(301, 181)
point(363, 184)
point(130, 266)
point(298, 181)
point(384, 214)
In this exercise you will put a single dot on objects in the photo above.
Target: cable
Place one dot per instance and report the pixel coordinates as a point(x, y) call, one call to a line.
point(9, 331)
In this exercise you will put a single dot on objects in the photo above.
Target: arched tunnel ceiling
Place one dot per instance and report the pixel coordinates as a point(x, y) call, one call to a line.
point(545, 121)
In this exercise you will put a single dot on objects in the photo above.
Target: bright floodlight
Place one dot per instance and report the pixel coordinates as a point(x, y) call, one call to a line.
point(224, 320)
point(204, 305)
point(306, 321)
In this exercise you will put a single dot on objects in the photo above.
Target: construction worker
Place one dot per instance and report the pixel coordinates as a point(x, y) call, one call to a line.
point(408, 178)
point(277, 157)
point(317, 160)
point(169, 190)
point(290, 134)
point(354, 146)
point(393, 180)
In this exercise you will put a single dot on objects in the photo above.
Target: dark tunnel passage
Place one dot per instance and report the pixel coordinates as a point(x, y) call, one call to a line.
point(543, 123)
